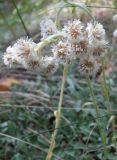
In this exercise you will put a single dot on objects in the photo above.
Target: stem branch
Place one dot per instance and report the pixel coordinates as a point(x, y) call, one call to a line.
point(47, 41)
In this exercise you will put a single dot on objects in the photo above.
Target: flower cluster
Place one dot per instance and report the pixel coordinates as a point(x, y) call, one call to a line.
point(22, 52)
point(87, 44)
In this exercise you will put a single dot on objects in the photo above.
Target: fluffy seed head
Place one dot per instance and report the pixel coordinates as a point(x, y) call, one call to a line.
point(48, 65)
point(73, 30)
point(22, 52)
point(62, 52)
point(33, 65)
point(80, 48)
point(24, 46)
point(89, 66)
point(98, 48)
point(95, 31)
point(47, 28)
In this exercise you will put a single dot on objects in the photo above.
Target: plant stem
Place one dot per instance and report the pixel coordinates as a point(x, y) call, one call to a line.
point(109, 108)
point(47, 41)
point(105, 90)
point(79, 5)
point(20, 17)
point(58, 116)
point(103, 136)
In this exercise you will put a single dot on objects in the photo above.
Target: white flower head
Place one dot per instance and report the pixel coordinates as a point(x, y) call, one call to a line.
point(10, 57)
point(24, 47)
point(62, 52)
point(95, 31)
point(73, 31)
point(33, 65)
point(48, 28)
point(22, 52)
point(49, 65)
point(89, 66)
point(98, 48)
point(80, 48)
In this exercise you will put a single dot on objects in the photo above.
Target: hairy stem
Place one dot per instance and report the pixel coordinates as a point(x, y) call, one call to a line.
point(58, 116)
point(47, 41)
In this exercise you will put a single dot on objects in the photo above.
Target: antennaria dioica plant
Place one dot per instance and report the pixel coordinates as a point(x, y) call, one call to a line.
point(73, 42)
